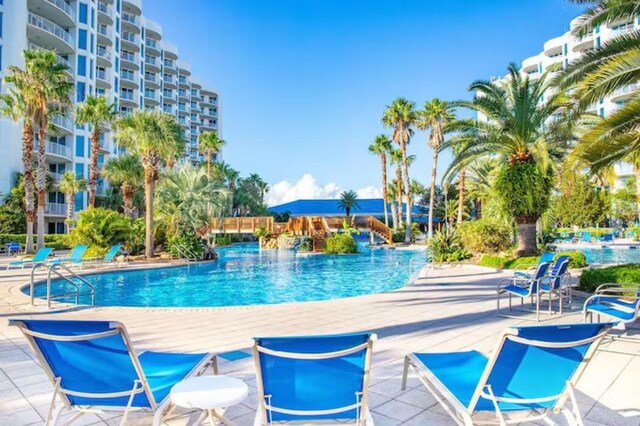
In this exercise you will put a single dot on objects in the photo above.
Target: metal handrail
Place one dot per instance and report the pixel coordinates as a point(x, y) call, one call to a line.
point(52, 268)
point(183, 250)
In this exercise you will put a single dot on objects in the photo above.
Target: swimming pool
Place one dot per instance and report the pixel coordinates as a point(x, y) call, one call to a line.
point(244, 275)
point(608, 255)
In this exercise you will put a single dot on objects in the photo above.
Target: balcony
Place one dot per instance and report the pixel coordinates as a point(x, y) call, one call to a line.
point(54, 10)
point(102, 79)
point(153, 97)
point(183, 95)
point(57, 177)
point(129, 79)
point(130, 59)
point(55, 209)
point(170, 97)
point(127, 97)
point(580, 44)
point(623, 29)
point(183, 82)
point(170, 66)
point(104, 57)
point(130, 41)
point(152, 64)
point(105, 35)
point(56, 150)
point(59, 59)
point(168, 109)
point(133, 6)
point(152, 46)
point(49, 34)
point(168, 80)
point(131, 21)
point(63, 123)
point(625, 92)
point(105, 13)
point(104, 146)
point(152, 80)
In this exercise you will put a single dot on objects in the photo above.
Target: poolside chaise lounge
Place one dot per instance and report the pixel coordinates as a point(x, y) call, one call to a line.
point(40, 257)
point(469, 385)
point(614, 301)
point(93, 367)
point(523, 288)
point(74, 257)
point(109, 257)
point(313, 379)
point(586, 237)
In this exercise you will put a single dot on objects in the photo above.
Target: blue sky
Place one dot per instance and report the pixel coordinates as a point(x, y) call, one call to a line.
point(304, 82)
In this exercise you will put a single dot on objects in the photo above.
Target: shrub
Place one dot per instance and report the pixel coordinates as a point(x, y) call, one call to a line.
point(185, 245)
point(445, 247)
point(56, 241)
point(135, 242)
point(522, 262)
point(622, 274)
point(577, 258)
point(493, 261)
point(397, 237)
point(340, 243)
point(484, 236)
point(101, 228)
point(223, 240)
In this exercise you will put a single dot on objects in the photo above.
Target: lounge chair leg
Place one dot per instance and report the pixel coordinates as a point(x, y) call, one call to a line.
point(560, 302)
point(509, 301)
point(405, 371)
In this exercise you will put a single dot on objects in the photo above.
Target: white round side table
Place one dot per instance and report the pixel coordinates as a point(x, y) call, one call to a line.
point(211, 394)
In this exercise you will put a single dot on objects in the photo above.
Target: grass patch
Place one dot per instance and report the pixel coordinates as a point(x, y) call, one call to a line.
point(621, 274)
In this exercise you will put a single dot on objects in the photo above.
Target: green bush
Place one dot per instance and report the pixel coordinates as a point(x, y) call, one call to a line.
point(340, 243)
point(445, 246)
point(135, 242)
point(577, 258)
point(484, 236)
point(522, 262)
point(100, 229)
point(493, 261)
point(223, 240)
point(397, 237)
point(56, 241)
point(185, 245)
point(622, 274)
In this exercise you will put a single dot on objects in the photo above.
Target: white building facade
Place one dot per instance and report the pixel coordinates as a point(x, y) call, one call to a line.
point(558, 52)
point(113, 50)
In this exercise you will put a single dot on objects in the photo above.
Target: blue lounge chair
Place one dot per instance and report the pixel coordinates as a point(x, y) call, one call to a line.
point(523, 288)
point(586, 237)
point(109, 257)
point(613, 301)
point(12, 248)
point(552, 284)
point(510, 381)
point(313, 378)
point(75, 257)
point(546, 257)
point(40, 257)
point(93, 366)
point(606, 238)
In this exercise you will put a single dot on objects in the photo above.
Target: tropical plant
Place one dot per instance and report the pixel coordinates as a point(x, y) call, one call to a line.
point(340, 243)
point(381, 147)
point(348, 201)
point(484, 236)
point(435, 116)
point(445, 246)
point(579, 201)
point(400, 117)
point(45, 89)
point(126, 171)
point(248, 196)
point(392, 197)
point(17, 109)
point(187, 200)
point(100, 229)
point(396, 159)
point(70, 185)
point(623, 202)
point(210, 144)
point(12, 211)
point(521, 129)
point(155, 138)
point(98, 113)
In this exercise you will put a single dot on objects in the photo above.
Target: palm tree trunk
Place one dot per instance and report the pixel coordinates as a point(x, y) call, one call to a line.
point(399, 193)
point(432, 196)
point(93, 167)
point(29, 201)
point(383, 160)
point(407, 191)
point(394, 215)
point(127, 198)
point(41, 178)
point(461, 195)
point(149, 188)
point(209, 163)
point(527, 245)
point(637, 173)
point(71, 205)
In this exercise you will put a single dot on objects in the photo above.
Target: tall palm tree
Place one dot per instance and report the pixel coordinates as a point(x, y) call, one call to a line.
point(126, 171)
point(392, 189)
point(396, 159)
point(521, 129)
point(348, 201)
point(435, 116)
point(381, 147)
point(209, 145)
point(45, 88)
point(70, 185)
point(98, 113)
point(400, 116)
point(154, 137)
point(17, 109)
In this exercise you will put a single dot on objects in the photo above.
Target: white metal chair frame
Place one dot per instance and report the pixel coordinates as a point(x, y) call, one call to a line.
point(526, 283)
point(617, 291)
point(264, 401)
point(564, 283)
point(138, 386)
point(463, 416)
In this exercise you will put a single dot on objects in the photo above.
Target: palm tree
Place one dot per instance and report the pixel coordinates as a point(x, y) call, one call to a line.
point(45, 88)
point(70, 185)
point(98, 113)
point(348, 200)
point(209, 145)
point(381, 147)
point(392, 189)
point(400, 116)
point(126, 171)
point(154, 137)
point(396, 158)
point(435, 116)
point(522, 130)
point(17, 109)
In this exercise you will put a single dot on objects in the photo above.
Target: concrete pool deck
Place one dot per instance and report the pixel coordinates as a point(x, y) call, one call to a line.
point(446, 309)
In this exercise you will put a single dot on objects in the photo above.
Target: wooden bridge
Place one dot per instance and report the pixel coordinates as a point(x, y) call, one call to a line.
point(317, 228)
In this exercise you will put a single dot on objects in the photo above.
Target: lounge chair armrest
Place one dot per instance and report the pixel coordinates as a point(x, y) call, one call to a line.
point(606, 285)
point(503, 283)
point(526, 267)
point(616, 288)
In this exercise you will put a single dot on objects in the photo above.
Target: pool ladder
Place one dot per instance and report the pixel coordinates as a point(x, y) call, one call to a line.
point(184, 253)
point(54, 269)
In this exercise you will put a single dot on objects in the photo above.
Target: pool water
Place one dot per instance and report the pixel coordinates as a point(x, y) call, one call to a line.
point(609, 255)
point(244, 275)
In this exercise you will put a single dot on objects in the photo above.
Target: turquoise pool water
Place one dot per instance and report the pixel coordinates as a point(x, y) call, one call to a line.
point(245, 276)
point(610, 255)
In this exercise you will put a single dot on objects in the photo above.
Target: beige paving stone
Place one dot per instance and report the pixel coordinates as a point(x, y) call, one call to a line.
point(397, 410)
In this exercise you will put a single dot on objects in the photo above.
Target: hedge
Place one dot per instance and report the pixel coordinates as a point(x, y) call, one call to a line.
point(57, 241)
point(484, 236)
point(577, 260)
point(621, 274)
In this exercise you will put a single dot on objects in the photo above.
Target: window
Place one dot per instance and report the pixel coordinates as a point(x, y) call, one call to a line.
point(0, 24)
point(91, 67)
point(0, 57)
point(93, 18)
point(80, 91)
point(83, 13)
point(92, 43)
point(598, 42)
point(82, 65)
point(601, 112)
point(79, 201)
point(79, 152)
point(82, 39)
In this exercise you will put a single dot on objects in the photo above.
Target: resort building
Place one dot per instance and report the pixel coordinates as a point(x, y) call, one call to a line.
point(558, 52)
point(113, 50)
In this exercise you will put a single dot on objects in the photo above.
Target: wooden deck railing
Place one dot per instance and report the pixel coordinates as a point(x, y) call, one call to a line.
point(241, 224)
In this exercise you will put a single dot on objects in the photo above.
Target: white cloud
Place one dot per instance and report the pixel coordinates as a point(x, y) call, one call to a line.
point(309, 188)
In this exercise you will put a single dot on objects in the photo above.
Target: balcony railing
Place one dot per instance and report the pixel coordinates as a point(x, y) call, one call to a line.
point(152, 43)
point(127, 17)
point(627, 89)
point(151, 61)
point(58, 209)
point(152, 78)
point(55, 149)
point(60, 4)
point(102, 75)
point(105, 31)
point(128, 77)
point(168, 79)
point(57, 177)
point(131, 38)
point(170, 65)
point(126, 95)
point(623, 30)
point(104, 53)
point(151, 95)
point(168, 110)
point(51, 27)
point(62, 121)
point(104, 8)
point(126, 56)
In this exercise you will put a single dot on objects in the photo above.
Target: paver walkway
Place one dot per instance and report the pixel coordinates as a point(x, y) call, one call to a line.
point(447, 309)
